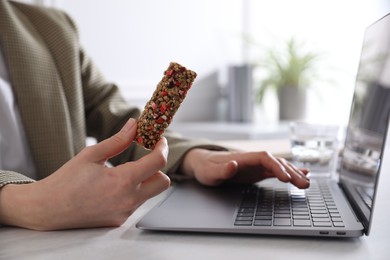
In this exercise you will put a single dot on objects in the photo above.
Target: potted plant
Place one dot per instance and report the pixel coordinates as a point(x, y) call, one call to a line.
point(289, 72)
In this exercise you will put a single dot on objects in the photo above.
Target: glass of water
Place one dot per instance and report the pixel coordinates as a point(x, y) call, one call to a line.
point(315, 147)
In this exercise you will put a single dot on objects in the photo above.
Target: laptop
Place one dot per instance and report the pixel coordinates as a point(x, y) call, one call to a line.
point(334, 207)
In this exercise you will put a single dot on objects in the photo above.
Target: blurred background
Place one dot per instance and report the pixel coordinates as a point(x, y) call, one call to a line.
point(234, 46)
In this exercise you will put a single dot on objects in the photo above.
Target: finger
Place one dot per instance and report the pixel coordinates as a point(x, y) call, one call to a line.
point(219, 173)
point(115, 144)
point(153, 186)
point(146, 166)
point(305, 171)
point(272, 165)
point(264, 160)
point(298, 178)
point(300, 173)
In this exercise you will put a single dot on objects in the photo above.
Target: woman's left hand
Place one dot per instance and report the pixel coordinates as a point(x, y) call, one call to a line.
point(215, 167)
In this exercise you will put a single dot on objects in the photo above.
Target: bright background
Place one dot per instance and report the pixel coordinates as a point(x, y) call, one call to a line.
point(133, 42)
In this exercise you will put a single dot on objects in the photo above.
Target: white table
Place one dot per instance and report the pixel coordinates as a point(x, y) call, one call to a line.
point(231, 130)
point(127, 242)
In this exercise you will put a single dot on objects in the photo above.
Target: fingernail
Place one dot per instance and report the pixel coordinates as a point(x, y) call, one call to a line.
point(302, 176)
point(129, 124)
point(165, 150)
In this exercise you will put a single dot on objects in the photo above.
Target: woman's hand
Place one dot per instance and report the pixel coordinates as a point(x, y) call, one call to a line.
point(214, 167)
point(84, 192)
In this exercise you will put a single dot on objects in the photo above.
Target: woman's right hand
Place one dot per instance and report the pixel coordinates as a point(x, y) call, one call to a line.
point(84, 192)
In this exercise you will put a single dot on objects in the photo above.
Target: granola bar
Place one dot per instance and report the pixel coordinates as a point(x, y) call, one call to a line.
point(165, 101)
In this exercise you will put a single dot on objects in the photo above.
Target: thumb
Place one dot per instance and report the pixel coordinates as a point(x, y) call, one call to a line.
point(117, 143)
point(220, 173)
point(229, 170)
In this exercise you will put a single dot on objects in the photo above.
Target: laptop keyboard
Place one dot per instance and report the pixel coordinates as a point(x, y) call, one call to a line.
point(289, 206)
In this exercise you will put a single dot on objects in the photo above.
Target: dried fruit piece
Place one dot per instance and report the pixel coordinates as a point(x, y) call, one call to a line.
point(165, 101)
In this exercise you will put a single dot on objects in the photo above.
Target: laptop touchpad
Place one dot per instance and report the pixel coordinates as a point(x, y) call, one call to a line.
point(193, 205)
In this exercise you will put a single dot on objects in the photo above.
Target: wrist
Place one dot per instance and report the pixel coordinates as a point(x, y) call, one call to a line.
point(19, 206)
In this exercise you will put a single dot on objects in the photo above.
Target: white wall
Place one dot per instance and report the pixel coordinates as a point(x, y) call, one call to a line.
point(133, 41)
point(332, 27)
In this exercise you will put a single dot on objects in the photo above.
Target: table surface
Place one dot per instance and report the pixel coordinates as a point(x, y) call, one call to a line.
point(231, 130)
point(128, 242)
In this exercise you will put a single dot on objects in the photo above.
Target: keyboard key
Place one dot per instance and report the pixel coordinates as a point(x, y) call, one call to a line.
point(317, 204)
point(243, 210)
point(322, 224)
point(263, 222)
point(245, 214)
point(244, 218)
point(318, 208)
point(282, 222)
point(277, 211)
point(282, 207)
point(264, 208)
point(301, 213)
point(319, 215)
point(300, 209)
point(263, 217)
point(298, 199)
point(243, 223)
point(297, 206)
point(301, 217)
point(316, 200)
point(317, 211)
point(320, 219)
point(338, 224)
point(264, 213)
point(302, 222)
point(282, 215)
point(248, 204)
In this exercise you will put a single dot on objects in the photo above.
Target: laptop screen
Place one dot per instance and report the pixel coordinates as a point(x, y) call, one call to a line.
point(367, 128)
